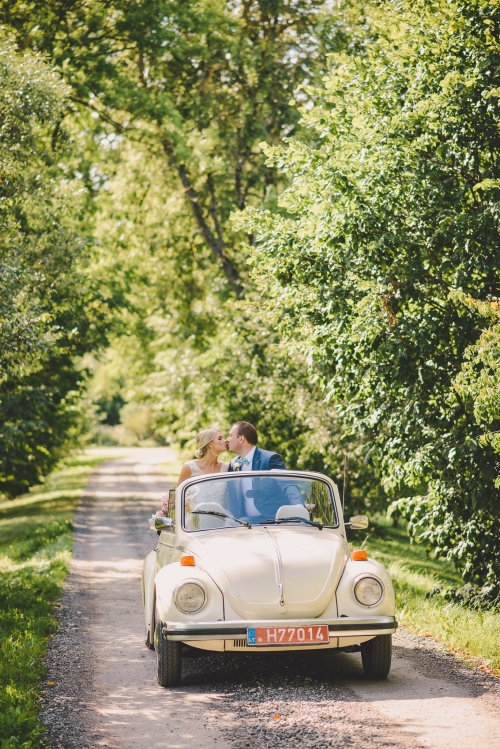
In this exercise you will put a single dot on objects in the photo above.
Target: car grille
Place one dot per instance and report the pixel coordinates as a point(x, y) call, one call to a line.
point(240, 643)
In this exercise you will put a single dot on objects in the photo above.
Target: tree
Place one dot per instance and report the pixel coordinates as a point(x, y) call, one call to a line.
point(393, 205)
point(193, 360)
point(199, 82)
point(180, 103)
point(50, 311)
point(478, 383)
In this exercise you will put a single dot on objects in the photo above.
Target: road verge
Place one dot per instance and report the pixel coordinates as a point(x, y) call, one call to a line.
point(36, 541)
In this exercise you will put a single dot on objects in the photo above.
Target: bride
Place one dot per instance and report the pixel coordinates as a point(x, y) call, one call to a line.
point(211, 444)
point(210, 495)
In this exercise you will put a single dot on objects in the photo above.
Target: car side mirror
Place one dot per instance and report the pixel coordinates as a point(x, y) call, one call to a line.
point(358, 522)
point(162, 524)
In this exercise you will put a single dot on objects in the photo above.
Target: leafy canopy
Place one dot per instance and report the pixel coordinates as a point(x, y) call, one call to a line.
point(50, 311)
point(199, 82)
point(393, 205)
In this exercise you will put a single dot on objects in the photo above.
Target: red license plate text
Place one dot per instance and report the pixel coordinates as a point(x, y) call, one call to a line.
point(270, 636)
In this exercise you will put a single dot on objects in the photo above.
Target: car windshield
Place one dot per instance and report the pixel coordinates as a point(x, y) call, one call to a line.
point(247, 499)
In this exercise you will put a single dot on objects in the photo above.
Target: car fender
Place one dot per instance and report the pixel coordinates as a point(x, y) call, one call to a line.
point(168, 580)
point(148, 584)
point(347, 605)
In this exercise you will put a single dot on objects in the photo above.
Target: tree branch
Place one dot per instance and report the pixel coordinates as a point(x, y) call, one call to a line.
point(55, 134)
point(216, 245)
point(217, 248)
point(238, 179)
point(213, 210)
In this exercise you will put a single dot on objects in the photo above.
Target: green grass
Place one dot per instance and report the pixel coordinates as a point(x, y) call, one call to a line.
point(35, 549)
point(417, 578)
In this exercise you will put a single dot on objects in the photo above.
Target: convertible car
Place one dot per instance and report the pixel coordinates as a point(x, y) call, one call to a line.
point(257, 562)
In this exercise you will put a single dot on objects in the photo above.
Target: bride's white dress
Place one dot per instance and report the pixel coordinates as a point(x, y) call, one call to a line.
point(209, 491)
point(196, 470)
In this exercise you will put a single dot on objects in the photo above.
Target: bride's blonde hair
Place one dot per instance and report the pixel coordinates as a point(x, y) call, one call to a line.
point(204, 438)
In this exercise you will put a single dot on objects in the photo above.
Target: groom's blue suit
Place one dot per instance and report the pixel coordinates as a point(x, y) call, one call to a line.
point(264, 460)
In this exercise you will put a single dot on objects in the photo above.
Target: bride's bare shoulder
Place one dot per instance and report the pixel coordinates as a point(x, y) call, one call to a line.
point(186, 472)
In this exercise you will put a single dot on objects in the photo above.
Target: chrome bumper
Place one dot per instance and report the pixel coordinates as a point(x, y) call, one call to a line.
point(237, 630)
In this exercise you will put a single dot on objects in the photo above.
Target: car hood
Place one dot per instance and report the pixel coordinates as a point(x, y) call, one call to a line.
point(273, 572)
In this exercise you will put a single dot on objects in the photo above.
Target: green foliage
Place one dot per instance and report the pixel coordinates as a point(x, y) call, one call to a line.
point(49, 307)
point(353, 334)
point(189, 97)
point(422, 585)
point(30, 95)
point(35, 548)
point(244, 374)
point(199, 83)
point(479, 380)
point(393, 204)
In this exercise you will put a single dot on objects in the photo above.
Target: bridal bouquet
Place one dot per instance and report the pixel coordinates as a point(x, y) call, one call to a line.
point(164, 508)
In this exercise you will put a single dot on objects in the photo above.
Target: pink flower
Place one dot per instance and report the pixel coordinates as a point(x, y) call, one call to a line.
point(164, 507)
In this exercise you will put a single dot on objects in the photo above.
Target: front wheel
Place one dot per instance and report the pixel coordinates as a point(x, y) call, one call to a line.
point(376, 656)
point(168, 658)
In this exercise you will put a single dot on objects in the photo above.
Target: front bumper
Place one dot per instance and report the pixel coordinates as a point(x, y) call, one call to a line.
point(236, 630)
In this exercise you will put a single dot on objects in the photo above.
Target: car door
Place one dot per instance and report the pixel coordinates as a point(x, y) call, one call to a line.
point(166, 542)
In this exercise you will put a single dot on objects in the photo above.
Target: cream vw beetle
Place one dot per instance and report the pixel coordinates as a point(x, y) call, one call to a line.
point(252, 562)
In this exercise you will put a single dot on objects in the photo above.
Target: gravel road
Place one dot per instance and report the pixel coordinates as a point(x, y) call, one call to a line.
point(105, 693)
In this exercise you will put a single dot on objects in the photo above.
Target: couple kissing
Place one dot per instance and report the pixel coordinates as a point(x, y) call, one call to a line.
point(242, 440)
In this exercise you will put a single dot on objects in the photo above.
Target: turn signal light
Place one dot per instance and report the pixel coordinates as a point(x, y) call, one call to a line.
point(359, 556)
point(188, 560)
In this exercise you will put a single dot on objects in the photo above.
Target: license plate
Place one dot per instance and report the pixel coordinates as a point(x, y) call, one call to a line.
point(316, 635)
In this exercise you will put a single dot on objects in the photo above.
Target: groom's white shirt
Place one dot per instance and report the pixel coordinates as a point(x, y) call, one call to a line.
point(250, 509)
point(249, 457)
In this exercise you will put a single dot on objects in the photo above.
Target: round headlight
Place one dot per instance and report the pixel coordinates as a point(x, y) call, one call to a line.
point(190, 597)
point(368, 591)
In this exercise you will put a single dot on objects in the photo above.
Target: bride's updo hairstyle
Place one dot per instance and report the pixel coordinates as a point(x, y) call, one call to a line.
point(204, 438)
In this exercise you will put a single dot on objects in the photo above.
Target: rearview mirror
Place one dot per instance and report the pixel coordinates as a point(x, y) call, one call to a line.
point(358, 522)
point(161, 524)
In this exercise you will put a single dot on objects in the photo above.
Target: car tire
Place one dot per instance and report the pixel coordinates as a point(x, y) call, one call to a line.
point(376, 656)
point(168, 658)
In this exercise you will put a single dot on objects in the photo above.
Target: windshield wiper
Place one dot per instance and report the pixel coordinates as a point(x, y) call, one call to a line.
point(220, 515)
point(293, 519)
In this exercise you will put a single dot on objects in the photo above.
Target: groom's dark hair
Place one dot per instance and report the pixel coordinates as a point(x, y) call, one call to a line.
point(248, 431)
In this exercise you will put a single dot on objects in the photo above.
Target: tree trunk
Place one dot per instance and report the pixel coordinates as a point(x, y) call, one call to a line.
point(216, 244)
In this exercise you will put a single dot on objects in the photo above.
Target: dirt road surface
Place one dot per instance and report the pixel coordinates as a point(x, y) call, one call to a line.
point(105, 693)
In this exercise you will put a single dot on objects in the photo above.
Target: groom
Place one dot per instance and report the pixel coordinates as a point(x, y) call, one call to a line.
point(242, 440)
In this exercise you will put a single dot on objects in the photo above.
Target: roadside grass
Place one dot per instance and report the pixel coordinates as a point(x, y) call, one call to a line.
point(420, 582)
point(35, 550)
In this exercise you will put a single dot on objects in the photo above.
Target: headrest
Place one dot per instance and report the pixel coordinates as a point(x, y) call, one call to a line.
point(210, 521)
point(292, 511)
